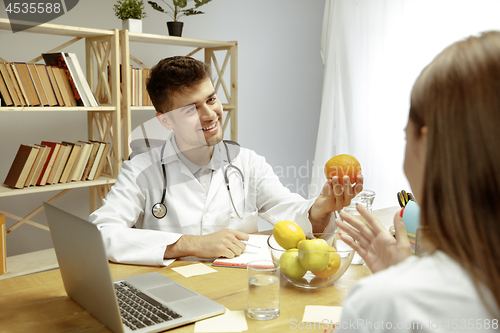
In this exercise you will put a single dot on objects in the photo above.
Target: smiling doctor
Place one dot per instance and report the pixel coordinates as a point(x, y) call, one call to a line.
point(196, 194)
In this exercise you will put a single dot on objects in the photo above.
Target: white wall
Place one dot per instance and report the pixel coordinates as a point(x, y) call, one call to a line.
point(280, 81)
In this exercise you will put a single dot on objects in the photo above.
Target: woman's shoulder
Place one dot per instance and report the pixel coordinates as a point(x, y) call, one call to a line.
point(433, 288)
point(430, 272)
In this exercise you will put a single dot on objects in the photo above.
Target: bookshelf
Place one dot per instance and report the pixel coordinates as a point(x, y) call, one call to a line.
point(103, 122)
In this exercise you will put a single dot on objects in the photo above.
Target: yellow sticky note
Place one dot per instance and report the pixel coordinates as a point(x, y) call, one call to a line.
point(322, 314)
point(231, 321)
point(195, 269)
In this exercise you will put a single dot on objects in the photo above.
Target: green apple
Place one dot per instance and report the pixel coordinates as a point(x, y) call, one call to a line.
point(290, 264)
point(314, 254)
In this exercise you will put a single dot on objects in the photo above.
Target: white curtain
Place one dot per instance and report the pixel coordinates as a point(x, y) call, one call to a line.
point(372, 52)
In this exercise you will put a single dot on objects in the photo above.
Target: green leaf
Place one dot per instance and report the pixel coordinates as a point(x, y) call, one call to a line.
point(174, 10)
point(199, 3)
point(191, 11)
point(180, 3)
point(129, 9)
point(156, 6)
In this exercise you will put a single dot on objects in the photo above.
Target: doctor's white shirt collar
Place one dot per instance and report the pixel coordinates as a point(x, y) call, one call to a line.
point(213, 164)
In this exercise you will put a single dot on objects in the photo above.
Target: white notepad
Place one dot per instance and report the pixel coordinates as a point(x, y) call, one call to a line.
point(250, 254)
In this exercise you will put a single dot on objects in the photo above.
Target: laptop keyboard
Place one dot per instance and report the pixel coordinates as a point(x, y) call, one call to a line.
point(138, 310)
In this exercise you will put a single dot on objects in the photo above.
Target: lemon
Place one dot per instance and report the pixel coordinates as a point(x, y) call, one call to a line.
point(288, 234)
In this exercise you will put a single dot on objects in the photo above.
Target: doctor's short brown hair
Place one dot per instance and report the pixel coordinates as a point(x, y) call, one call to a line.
point(172, 76)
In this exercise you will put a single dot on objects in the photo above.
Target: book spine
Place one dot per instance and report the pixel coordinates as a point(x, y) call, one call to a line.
point(47, 85)
point(20, 168)
point(83, 79)
point(26, 81)
point(4, 91)
point(18, 84)
point(38, 85)
point(103, 161)
point(10, 85)
point(55, 85)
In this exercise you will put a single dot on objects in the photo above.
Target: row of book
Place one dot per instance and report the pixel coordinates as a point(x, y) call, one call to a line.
point(58, 82)
point(140, 96)
point(53, 163)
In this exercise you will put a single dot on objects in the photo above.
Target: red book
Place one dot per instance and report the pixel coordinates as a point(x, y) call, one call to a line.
point(49, 163)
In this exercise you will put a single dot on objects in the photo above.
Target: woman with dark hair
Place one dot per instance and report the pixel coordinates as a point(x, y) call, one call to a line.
point(452, 162)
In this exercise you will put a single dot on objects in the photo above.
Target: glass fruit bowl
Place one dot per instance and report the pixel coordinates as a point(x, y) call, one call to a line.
point(310, 268)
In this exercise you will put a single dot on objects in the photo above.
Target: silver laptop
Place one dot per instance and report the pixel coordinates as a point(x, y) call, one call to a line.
point(159, 303)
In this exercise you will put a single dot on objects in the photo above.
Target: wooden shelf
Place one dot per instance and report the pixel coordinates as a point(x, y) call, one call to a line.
point(55, 29)
point(226, 107)
point(57, 108)
point(6, 191)
point(177, 41)
point(142, 108)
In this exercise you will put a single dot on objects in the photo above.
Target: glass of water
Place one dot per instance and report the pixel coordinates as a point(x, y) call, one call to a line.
point(364, 198)
point(263, 290)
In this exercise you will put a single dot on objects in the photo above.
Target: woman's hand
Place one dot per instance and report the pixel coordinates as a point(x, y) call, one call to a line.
point(378, 248)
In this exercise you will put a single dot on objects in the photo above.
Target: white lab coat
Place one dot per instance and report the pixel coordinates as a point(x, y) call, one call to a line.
point(190, 211)
point(429, 294)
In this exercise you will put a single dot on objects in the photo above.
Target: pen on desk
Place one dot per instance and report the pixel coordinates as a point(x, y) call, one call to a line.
point(250, 244)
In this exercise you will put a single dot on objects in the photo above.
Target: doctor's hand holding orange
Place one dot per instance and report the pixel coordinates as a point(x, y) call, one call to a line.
point(344, 182)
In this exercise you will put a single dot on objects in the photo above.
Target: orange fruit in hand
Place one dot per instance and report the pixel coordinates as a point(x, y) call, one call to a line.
point(342, 165)
point(333, 265)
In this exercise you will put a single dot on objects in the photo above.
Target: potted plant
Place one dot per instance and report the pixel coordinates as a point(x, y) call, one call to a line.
point(176, 10)
point(130, 12)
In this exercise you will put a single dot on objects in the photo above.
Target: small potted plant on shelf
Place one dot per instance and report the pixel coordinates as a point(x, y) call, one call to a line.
point(130, 12)
point(176, 10)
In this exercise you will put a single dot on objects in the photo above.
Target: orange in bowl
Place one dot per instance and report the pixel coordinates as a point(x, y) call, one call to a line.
point(333, 265)
point(343, 165)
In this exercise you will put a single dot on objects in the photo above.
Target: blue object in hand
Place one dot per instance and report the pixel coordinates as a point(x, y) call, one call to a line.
point(411, 219)
point(411, 216)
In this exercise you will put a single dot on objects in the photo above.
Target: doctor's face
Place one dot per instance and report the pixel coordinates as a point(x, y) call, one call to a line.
point(196, 118)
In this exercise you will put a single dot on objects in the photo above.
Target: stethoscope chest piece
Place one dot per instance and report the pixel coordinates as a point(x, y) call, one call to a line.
point(159, 210)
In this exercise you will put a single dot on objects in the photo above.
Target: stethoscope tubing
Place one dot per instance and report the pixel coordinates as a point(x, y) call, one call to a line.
point(226, 178)
point(159, 209)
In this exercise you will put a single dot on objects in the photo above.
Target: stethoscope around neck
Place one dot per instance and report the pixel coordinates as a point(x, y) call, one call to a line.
point(159, 210)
